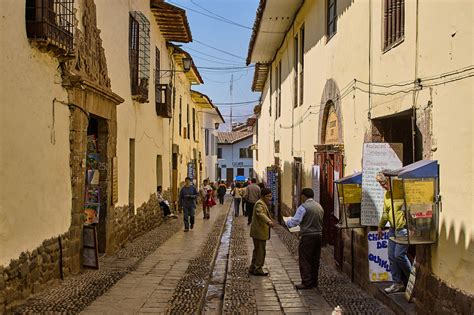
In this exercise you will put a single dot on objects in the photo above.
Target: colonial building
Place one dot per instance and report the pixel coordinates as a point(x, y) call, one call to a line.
point(337, 74)
point(234, 155)
point(211, 119)
point(97, 112)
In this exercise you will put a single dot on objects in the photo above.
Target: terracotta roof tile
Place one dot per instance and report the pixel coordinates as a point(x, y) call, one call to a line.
point(232, 137)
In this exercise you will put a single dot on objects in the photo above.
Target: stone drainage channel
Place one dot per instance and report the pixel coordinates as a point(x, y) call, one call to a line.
point(216, 281)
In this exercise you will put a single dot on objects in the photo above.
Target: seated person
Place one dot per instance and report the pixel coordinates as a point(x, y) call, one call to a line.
point(164, 204)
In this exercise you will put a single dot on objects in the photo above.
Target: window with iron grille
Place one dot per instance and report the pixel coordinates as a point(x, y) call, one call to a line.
point(219, 153)
point(331, 18)
point(51, 23)
point(139, 55)
point(394, 23)
point(163, 92)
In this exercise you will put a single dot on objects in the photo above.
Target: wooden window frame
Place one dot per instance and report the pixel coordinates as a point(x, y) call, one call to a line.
point(393, 23)
point(331, 21)
point(301, 75)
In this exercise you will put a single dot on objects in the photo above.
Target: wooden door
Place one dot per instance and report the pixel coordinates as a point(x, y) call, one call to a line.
point(230, 175)
point(329, 162)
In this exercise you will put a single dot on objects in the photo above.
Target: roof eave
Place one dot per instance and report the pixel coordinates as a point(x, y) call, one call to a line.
point(166, 13)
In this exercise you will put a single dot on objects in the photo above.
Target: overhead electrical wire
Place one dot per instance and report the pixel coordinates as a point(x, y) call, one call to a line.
point(237, 103)
point(218, 49)
point(209, 55)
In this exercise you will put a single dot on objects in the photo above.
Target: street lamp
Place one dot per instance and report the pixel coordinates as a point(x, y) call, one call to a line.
point(187, 63)
point(216, 125)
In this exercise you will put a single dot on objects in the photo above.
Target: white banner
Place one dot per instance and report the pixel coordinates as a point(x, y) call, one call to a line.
point(315, 185)
point(379, 266)
point(376, 157)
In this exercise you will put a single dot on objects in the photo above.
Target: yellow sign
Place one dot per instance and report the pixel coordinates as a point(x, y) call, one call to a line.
point(419, 192)
point(397, 189)
point(352, 193)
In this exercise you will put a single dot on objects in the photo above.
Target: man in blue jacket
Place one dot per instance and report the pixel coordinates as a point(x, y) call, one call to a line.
point(187, 200)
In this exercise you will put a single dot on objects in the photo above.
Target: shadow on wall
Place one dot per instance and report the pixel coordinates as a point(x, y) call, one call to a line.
point(455, 259)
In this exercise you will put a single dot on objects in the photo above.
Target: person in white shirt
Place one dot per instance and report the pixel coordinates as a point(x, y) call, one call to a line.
point(309, 216)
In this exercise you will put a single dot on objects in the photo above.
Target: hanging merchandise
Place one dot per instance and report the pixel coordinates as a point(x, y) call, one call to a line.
point(92, 195)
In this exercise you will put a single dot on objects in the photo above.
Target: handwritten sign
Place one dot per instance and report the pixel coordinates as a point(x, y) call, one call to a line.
point(352, 193)
point(376, 157)
point(379, 266)
point(419, 192)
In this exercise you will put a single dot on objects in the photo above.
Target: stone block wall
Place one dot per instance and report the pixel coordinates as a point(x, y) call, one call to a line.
point(361, 264)
point(34, 270)
point(434, 296)
point(124, 226)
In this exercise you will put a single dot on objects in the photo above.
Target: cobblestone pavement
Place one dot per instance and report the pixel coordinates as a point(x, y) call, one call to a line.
point(74, 293)
point(168, 271)
point(335, 288)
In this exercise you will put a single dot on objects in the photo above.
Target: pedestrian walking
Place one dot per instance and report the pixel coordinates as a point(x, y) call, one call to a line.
point(251, 195)
point(207, 200)
point(237, 193)
point(221, 191)
point(187, 200)
point(309, 216)
point(260, 232)
point(400, 265)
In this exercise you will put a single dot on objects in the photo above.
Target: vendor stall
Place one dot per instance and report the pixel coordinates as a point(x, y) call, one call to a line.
point(349, 192)
point(418, 185)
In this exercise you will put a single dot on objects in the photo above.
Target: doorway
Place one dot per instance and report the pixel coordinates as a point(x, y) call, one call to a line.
point(96, 188)
point(229, 175)
point(401, 128)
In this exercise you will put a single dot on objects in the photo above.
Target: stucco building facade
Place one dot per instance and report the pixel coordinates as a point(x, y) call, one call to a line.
point(96, 94)
point(337, 74)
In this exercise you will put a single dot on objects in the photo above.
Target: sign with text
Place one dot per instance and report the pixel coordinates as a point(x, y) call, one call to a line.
point(379, 266)
point(315, 184)
point(376, 157)
point(419, 192)
point(352, 193)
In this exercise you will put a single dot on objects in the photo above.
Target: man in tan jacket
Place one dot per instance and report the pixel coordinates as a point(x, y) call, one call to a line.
point(260, 232)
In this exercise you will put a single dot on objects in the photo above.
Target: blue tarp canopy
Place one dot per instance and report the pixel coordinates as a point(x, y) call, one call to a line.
point(355, 178)
point(420, 169)
point(240, 178)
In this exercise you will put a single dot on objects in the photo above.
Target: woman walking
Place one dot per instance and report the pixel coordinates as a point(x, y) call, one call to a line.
point(237, 193)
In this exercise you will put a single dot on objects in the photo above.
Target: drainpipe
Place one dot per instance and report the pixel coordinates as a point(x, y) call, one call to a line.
point(416, 82)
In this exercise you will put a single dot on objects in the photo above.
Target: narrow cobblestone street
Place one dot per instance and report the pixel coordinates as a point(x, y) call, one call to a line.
point(167, 271)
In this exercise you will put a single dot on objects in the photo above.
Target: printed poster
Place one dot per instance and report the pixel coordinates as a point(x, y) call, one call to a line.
point(376, 157)
point(379, 266)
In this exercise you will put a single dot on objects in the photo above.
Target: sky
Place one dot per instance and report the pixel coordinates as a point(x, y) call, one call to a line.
point(221, 31)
